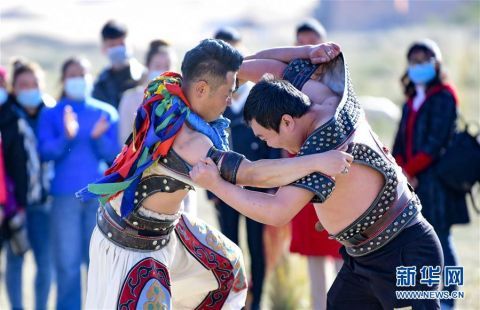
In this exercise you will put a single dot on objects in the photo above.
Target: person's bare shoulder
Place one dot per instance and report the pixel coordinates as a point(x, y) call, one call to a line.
point(191, 145)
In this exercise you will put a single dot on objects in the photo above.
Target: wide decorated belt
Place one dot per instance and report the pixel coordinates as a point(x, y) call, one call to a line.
point(366, 235)
point(133, 235)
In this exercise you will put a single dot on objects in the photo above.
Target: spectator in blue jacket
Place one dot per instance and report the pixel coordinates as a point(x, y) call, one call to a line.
point(79, 134)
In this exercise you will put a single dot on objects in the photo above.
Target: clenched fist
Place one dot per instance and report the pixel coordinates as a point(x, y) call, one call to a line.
point(205, 173)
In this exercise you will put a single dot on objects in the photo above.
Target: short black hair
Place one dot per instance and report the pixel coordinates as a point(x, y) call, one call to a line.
point(210, 60)
point(313, 25)
point(270, 99)
point(113, 30)
point(228, 34)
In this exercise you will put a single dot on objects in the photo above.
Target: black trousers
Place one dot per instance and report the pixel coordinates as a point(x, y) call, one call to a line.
point(369, 282)
point(229, 225)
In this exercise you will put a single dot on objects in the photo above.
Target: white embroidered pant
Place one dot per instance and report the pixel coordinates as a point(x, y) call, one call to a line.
point(198, 268)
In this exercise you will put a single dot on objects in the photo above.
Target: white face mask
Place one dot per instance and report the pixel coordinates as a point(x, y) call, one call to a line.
point(118, 55)
point(78, 88)
point(30, 98)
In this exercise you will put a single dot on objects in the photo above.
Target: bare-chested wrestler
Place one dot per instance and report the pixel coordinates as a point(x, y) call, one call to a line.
point(371, 210)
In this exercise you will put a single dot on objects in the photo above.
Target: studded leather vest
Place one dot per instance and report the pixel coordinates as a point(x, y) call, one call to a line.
point(155, 183)
point(349, 127)
point(140, 230)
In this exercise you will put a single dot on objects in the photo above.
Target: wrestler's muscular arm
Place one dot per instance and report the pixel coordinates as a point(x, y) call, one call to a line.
point(274, 61)
point(276, 210)
point(316, 53)
point(283, 54)
point(193, 147)
point(254, 69)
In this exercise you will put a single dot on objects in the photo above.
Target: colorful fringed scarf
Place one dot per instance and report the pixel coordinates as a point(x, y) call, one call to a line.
point(159, 119)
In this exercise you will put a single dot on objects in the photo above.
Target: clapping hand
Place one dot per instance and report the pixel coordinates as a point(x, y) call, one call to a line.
point(100, 127)
point(70, 122)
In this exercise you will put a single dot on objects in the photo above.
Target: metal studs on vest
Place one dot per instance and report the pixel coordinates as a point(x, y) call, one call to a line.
point(338, 129)
point(157, 183)
point(382, 203)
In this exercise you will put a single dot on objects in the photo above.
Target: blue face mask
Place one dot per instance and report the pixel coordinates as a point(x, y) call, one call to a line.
point(30, 98)
point(422, 73)
point(118, 55)
point(77, 88)
point(3, 95)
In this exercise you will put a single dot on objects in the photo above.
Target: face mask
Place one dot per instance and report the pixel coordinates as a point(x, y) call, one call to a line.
point(3, 95)
point(118, 55)
point(422, 73)
point(77, 87)
point(154, 74)
point(30, 98)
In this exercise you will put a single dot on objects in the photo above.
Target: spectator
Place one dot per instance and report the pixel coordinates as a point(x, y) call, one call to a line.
point(14, 156)
point(28, 100)
point(160, 58)
point(12, 216)
point(229, 35)
point(13, 173)
point(310, 32)
point(426, 129)
point(124, 72)
point(78, 135)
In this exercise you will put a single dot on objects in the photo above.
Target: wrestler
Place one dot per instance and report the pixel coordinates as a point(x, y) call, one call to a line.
point(372, 210)
point(144, 251)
